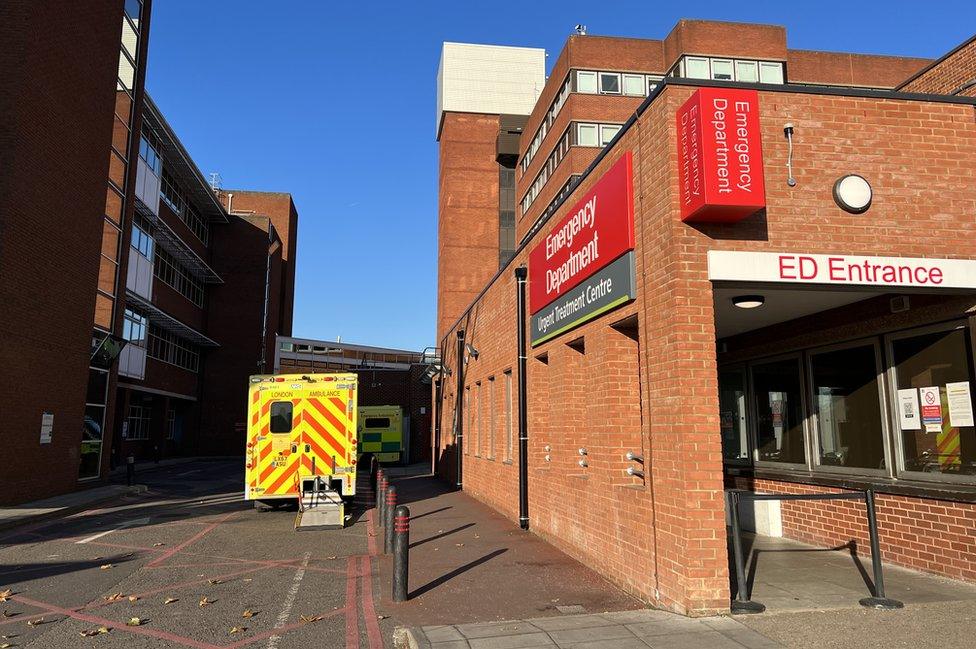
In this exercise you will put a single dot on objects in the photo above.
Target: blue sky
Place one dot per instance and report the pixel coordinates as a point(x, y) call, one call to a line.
point(333, 101)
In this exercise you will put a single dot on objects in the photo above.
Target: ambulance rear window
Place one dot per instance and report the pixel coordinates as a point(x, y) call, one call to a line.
point(281, 416)
point(377, 422)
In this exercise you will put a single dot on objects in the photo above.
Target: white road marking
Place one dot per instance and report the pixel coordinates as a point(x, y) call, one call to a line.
point(138, 521)
point(289, 601)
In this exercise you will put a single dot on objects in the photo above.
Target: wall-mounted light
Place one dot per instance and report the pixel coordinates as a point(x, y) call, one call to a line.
point(788, 132)
point(472, 352)
point(853, 194)
point(748, 301)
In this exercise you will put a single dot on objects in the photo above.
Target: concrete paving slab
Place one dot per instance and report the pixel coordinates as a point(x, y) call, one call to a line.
point(568, 637)
point(571, 622)
point(522, 641)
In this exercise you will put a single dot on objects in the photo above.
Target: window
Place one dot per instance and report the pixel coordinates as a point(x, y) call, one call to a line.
point(941, 439)
point(747, 71)
point(609, 83)
point(467, 409)
point(732, 415)
point(770, 72)
point(377, 422)
point(847, 407)
point(281, 416)
point(138, 422)
point(149, 151)
point(133, 8)
point(779, 411)
point(508, 415)
point(586, 135)
point(175, 275)
point(168, 347)
point(586, 82)
point(652, 81)
point(142, 240)
point(171, 194)
point(696, 68)
point(491, 417)
point(170, 424)
point(722, 69)
point(607, 133)
point(477, 419)
point(634, 84)
point(134, 327)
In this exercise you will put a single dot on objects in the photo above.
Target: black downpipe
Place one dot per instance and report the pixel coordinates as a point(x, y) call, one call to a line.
point(523, 418)
point(435, 453)
point(459, 408)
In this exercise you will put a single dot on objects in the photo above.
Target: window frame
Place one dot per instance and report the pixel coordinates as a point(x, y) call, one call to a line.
point(751, 453)
point(711, 68)
point(596, 82)
point(509, 409)
point(615, 75)
point(897, 439)
point(602, 127)
point(291, 417)
point(633, 76)
point(813, 412)
point(753, 414)
point(596, 132)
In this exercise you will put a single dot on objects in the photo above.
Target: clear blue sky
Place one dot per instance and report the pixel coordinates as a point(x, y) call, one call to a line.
point(334, 103)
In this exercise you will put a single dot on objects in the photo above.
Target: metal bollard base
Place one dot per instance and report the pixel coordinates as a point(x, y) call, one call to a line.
point(881, 603)
point(750, 607)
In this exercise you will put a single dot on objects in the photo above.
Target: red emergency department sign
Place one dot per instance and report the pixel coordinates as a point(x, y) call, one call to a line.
point(720, 169)
point(596, 231)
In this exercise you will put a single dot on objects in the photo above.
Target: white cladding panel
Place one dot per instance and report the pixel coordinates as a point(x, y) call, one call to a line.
point(132, 361)
point(139, 275)
point(491, 79)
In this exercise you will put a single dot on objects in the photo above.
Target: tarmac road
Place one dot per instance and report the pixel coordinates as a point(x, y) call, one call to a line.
point(191, 536)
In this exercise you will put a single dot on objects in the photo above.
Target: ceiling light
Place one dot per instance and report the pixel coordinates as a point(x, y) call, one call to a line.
point(748, 301)
point(853, 193)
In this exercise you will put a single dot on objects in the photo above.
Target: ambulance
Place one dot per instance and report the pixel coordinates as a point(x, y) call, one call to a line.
point(381, 433)
point(302, 445)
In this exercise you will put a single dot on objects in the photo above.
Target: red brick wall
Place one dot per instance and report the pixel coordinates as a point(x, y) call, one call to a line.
point(54, 151)
point(948, 74)
point(664, 540)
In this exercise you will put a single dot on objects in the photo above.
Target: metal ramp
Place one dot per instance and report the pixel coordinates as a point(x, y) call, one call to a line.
point(320, 509)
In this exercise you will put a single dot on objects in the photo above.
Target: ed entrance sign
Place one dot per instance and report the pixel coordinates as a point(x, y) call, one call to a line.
point(584, 266)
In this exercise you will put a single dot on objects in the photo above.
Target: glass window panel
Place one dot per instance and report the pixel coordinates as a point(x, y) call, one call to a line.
point(133, 8)
point(127, 72)
point(130, 40)
point(652, 82)
point(610, 83)
point(747, 71)
point(779, 412)
point(722, 69)
point(607, 133)
point(103, 311)
point(281, 414)
point(634, 84)
point(113, 205)
point(116, 170)
point(110, 240)
point(732, 406)
point(847, 404)
point(696, 68)
point(771, 72)
point(587, 135)
point(97, 381)
point(586, 82)
point(106, 275)
point(933, 360)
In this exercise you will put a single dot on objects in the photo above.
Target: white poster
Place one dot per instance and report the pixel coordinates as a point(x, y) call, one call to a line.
point(960, 404)
point(47, 427)
point(908, 409)
point(931, 409)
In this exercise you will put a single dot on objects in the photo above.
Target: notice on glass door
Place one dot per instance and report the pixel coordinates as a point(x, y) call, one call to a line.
point(908, 409)
point(960, 404)
point(931, 409)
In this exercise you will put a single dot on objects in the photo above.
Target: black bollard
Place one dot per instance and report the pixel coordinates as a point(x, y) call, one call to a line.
point(130, 470)
point(379, 495)
point(384, 486)
point(879, 599)
point(391, 503)
point(401, 552)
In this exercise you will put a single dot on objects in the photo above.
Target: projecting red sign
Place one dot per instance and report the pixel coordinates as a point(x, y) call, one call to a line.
point(597, 230)
point(720, 169)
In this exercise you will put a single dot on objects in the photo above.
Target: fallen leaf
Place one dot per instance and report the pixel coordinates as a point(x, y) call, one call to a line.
point(333, 557)
point(133, 598)
point(247, 579)
point(214, 582)
point(5, 594)
point(170, 600)
point(133, 621)
point(460, 545)
point(247, 613)
point(114, 597)
point(103, 629)
point(5, 645)
point(204, 601)
point(238, 629)
point(156, 545)
point(39, 620)
point(7, 613)
point(380, 617)
point(88, 634)
point(305, 619)
point(105, 566)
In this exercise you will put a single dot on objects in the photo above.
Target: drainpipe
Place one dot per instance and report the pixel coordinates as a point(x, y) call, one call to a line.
point(267, 299)
point(437, 420)
point(523, 418)
point(459, 407)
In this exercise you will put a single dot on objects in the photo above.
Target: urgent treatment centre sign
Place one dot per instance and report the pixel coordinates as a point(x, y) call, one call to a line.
point(585, 264)
point(720, 166)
